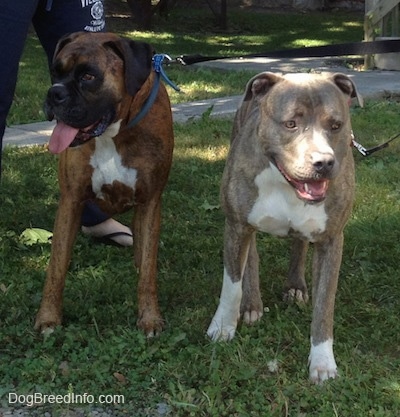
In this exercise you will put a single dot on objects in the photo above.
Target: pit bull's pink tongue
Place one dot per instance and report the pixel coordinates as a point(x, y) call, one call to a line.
point(314, 190)
point(62, 137)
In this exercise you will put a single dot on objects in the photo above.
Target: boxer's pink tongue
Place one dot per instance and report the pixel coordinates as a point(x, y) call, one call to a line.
point(62, 137)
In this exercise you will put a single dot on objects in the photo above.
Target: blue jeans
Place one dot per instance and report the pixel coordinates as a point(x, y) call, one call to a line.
point(51, 20)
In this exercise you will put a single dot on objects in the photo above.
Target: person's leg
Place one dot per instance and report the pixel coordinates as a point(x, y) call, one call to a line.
point(15, 18)
point(97, 224)
point(52, 20)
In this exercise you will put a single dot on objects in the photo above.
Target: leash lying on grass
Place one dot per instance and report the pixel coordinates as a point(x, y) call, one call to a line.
point(343, 49)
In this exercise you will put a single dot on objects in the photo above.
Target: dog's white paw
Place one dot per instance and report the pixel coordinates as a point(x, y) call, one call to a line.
point(322, 362)
point(250, 317)
point(217, 331)
point(224, 323)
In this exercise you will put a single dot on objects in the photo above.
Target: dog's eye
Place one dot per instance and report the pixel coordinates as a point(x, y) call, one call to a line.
point(290, 124)
point(336, 125)
point(87, 77)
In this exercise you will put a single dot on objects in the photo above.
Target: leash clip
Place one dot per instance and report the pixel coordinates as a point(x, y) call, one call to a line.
point(366, 152)
point(157, 65)
point(158, 60)
point(363, 151)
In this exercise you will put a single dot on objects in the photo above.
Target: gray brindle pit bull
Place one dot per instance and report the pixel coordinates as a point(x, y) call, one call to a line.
point(289, 172)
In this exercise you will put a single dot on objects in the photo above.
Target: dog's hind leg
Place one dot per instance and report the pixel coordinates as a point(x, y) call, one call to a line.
point(251, 308)
point(296, 287)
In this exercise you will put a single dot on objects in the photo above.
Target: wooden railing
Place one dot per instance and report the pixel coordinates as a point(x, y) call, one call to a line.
point(381, 19)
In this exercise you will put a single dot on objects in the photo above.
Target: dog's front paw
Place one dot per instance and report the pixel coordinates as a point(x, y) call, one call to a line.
point(46, 320)
point(322, 372)
point(295, 295)
point(151, 324)
point(251, 308)
point(252, 316)
point(219, 332)
point(223, 325)
point(322, 362)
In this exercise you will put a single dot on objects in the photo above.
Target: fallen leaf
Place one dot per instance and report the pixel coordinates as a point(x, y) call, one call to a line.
point(120, 378)
point(35, 235)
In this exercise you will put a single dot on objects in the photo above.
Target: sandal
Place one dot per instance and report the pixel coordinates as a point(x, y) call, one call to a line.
point(110, 239)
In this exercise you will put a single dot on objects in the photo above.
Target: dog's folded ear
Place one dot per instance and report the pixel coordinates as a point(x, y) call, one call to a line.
point(346, 84)
point(65, 40)
point(137, 57)
point(260, 84)
point(256, 88)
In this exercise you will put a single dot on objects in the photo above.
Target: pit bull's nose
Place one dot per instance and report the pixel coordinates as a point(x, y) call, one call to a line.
point(323, 162)
point(57, 94)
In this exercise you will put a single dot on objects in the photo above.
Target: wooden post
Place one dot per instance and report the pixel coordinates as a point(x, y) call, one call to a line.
point(375, 13)
point(369, 31)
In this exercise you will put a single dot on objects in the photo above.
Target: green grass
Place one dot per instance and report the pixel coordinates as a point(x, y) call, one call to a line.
point(181, 34)
point(99, 350)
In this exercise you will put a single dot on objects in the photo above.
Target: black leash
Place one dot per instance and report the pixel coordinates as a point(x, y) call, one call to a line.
point(341, 49)
point(366, 152)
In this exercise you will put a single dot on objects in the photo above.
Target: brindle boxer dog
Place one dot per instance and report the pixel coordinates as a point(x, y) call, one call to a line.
point(289, 172)
point(100, 82)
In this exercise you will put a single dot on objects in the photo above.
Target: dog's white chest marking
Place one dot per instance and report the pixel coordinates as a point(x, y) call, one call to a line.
point(277, 209)
point(107, 163)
